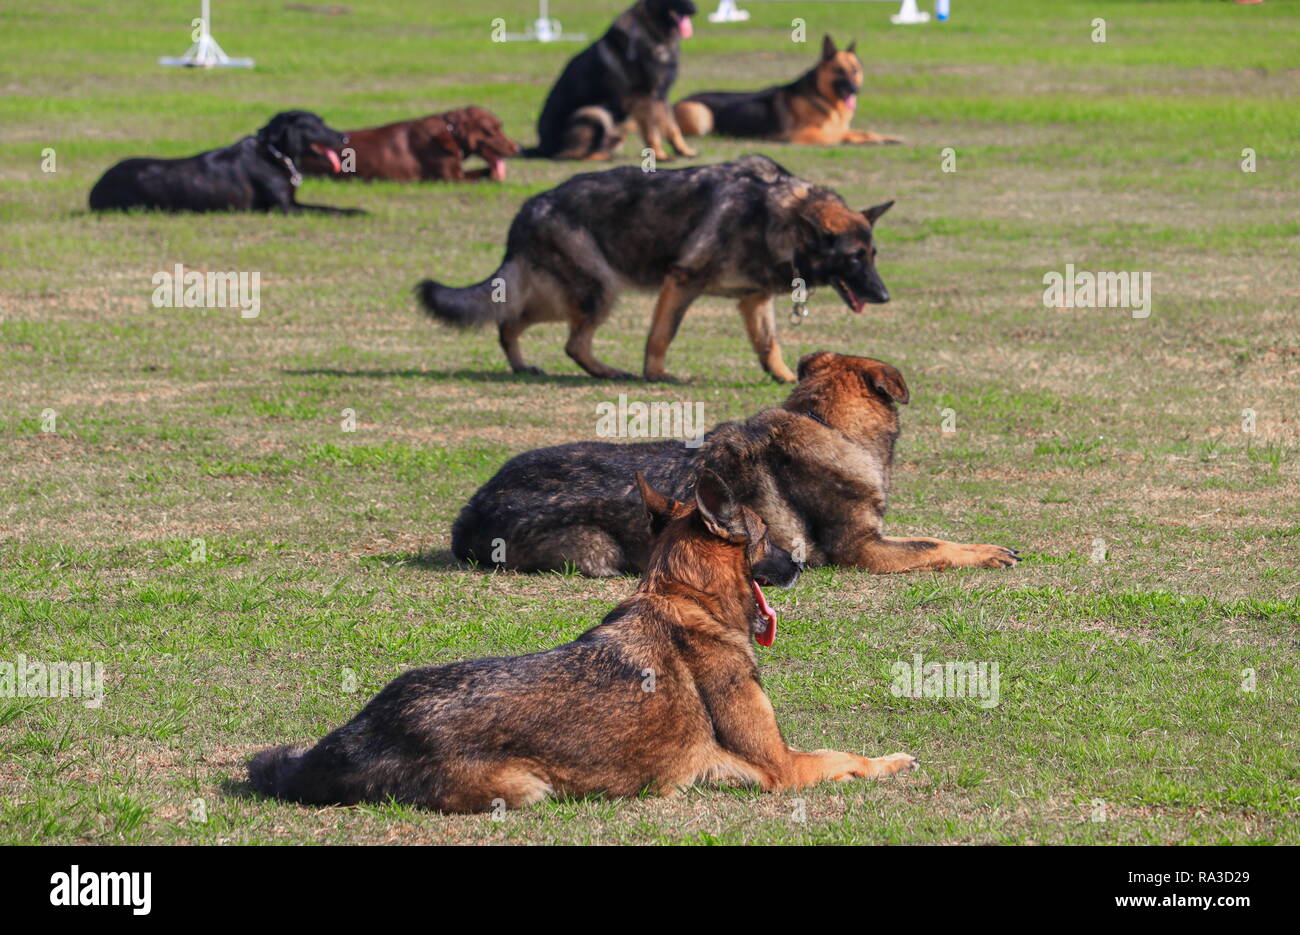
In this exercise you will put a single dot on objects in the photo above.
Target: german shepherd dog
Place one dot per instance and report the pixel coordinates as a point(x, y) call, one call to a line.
point(817, 470)
point(259, 173)
point(744, 230)
point(662, 694)
point(428, 149)
point(816, 108)
point(626, 73)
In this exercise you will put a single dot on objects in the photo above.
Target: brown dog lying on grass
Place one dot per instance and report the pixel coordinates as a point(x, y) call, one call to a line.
point(817, 469)
point(663, 694)
point(429, 149)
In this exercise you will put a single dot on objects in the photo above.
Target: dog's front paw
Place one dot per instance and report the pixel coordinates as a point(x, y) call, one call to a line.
point(660, 376)
point(993, 556)
point(894, 763)
point(844, 766)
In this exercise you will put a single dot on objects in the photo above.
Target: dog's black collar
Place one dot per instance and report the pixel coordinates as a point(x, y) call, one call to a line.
point(812, 415)
point(295, 177)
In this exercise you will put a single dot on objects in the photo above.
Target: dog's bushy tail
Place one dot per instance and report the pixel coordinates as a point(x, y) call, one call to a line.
point(275, 772)
point(484, 303)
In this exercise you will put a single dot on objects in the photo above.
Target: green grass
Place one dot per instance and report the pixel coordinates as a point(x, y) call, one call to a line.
point(1161, 681)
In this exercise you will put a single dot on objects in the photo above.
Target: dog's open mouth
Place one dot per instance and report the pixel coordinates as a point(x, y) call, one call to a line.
point(684, 27)
point(496, 166)
point(765, 622)
point(329, 154)
point(850, 298)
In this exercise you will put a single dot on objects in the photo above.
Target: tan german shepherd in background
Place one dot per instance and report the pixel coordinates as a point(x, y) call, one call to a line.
point(815, 109)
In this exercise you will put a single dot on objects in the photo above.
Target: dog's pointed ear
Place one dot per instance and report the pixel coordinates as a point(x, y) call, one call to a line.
point(719, 509)
point(885, 379)
point(659, 508)
point(811, 363)
point(853, 47)
point(875, 211)
point(828, 47)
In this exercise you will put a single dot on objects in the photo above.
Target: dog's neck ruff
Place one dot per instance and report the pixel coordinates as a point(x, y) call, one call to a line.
point(295, 177)
point(708, 602)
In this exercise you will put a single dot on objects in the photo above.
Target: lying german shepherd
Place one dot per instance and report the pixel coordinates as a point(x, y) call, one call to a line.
point(745, 230)
point(432, 148)
point(816, 108)
point(626, 73)
point(259, 173)
point(817, 471)
point(663, 694)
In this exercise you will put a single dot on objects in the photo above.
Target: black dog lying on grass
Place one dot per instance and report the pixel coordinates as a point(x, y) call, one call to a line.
point(259, 173)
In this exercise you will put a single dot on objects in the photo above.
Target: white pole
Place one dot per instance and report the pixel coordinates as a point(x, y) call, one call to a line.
point(544, 29)
point(205, 53)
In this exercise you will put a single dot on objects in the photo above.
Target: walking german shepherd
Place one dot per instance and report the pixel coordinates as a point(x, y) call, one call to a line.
point(745, 230)
point(626, 73)
point(663, 694)
point(817, 470)
point(816, 108)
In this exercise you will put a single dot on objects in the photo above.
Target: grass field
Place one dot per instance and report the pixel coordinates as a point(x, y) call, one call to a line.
point(1156, 689)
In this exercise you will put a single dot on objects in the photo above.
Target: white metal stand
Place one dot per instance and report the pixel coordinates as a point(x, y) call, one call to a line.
point(908, 13)
point(544, 29)
point(205, 53)
point(728, 12)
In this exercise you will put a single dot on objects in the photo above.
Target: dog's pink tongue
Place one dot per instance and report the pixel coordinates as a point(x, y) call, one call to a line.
point(333, 157)
point(497, 169)
point(685, 28)
point(765, 636)
point(852, 101)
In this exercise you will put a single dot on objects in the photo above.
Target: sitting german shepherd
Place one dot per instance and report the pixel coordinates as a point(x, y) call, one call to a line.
point(817, 471)
point(579, 719)
point(626, 73)
point(816, 108)
point(744, 230)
